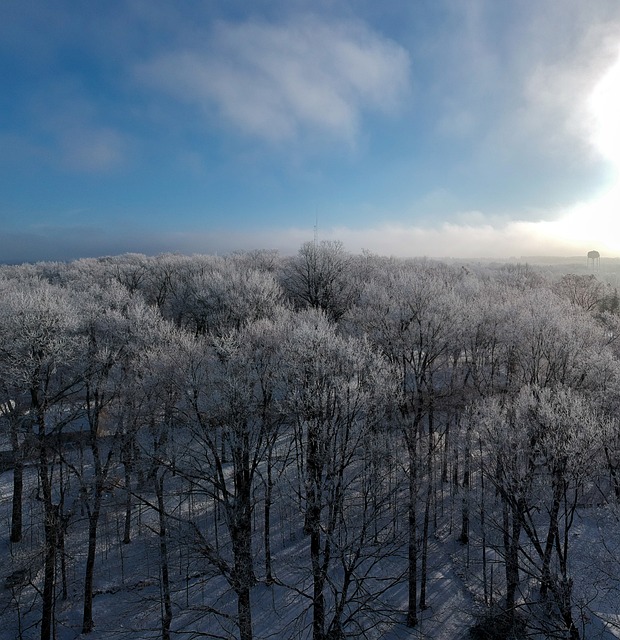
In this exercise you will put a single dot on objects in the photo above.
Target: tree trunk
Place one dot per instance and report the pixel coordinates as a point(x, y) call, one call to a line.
point(93, 515)
point(267, 521)
point(412, 580)
point(613, 472)
point(318, 597)
point(565, 605)
point(313, 475)
point(464, 537)
point(50, 514)
point(512, 534)
point(128, 506)
point(445, 456)
point(312, 526)
point(18, 483)
point(166, 618)
point(93, 524)
point(427, 507)
point(552, 533)
point(49, 580)
point(243, 577)
point(488, 594)
point(50, 543)
point(18, 489)
point(63, 557)
point(127, 450)
point(244, 613)
point(241, 535)
point(423, 568)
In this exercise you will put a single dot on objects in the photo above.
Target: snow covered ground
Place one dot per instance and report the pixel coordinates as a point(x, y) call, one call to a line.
point(127, 603)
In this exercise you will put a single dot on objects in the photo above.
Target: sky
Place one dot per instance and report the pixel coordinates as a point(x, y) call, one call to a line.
point(439, 128)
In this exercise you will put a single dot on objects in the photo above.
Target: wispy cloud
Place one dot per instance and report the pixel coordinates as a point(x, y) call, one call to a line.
point(515, 78)
point(276, 80)
point(466, 241)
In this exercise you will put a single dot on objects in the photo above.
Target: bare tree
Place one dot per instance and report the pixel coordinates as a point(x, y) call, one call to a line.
point(41, 321)
point(14, 411)
point(543, 444)
point(334, 389)
point(226, 396)
point(117, 329)
point(320, 277)
point(412, 314)
point(585, 291)
point(225, 295)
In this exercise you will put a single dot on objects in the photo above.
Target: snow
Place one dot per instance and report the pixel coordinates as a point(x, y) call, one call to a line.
point(127, 591)
point(127, 587)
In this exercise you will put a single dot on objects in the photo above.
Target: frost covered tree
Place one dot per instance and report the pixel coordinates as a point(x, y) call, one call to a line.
point(320, 277)
point(585, 291)
point(156, 370)
point(543, 444)
point(227, 393)
point(39, 346)
point(550, 341)
point(335, 389)
point(224, 294)
point(412, 314)
point(116, 330)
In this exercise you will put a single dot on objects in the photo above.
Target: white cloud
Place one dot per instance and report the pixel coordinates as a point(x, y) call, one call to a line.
point(468, 241)
point(573, 231)
point(515, 78)
point(275, 80)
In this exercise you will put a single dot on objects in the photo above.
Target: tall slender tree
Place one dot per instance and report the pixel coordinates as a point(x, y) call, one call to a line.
point(39, 347)
point(335, 386)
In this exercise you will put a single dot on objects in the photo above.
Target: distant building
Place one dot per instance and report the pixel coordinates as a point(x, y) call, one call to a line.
point(594, 259)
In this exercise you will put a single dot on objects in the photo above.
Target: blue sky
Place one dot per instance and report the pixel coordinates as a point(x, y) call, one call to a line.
point(463, 128)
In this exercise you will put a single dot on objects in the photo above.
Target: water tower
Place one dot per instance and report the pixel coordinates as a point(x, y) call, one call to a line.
point(594, 259)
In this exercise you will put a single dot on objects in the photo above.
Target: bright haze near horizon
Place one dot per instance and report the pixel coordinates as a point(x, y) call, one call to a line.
point(444, 128)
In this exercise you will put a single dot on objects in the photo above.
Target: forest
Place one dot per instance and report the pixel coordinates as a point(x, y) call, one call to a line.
point(319, 446)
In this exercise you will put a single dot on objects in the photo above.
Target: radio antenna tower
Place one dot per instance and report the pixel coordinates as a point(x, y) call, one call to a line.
point(316, 229)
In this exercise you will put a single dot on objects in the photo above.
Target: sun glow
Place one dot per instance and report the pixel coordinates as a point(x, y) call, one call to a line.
point(596, 224)
point(604, 105)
